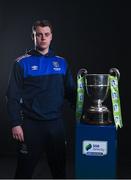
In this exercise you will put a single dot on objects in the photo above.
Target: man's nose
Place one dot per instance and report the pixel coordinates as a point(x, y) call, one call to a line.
point(43, 37)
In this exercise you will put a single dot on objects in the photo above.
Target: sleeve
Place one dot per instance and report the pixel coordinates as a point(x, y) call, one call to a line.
point(70, 88)
point(14, 94)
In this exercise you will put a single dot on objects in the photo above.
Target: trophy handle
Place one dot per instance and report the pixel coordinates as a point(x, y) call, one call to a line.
point(115, 72)
point(82, 72)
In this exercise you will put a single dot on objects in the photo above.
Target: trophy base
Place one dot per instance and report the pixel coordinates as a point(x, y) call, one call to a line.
point(97, 118)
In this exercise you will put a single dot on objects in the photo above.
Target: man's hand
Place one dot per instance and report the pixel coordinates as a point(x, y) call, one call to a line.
point(17, 133)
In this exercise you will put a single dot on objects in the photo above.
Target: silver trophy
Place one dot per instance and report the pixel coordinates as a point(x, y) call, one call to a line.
point(97, 87)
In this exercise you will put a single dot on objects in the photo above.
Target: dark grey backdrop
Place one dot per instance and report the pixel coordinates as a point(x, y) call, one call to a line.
point(92, 34)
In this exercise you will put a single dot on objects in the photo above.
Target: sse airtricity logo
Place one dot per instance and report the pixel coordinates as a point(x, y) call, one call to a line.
point(88, 146)
point(94, 148)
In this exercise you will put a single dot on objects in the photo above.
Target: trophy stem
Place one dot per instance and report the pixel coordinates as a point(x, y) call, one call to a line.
point(98, 114)
point(99, 105)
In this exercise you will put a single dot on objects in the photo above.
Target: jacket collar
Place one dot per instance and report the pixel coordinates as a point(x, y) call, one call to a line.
point(36, 53)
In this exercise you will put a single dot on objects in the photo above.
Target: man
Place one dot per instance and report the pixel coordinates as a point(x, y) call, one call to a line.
point(39, 82)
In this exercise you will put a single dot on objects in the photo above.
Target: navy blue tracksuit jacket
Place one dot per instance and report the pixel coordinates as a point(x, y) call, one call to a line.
point(38, 85)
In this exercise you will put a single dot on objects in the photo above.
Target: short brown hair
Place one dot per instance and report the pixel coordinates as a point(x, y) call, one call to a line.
point(42, 23)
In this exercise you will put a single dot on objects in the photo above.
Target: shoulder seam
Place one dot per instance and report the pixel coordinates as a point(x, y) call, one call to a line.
point(60, 57)
point(23, 56)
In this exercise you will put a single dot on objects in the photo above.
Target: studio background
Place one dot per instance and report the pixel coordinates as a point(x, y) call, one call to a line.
point(90, 34)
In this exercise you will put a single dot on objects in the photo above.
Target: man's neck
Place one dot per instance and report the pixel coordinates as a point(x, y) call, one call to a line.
point(45, 51)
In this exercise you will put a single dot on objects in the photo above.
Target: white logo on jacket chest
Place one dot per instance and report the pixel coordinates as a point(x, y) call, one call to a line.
point(56, 66)
point(34, 68)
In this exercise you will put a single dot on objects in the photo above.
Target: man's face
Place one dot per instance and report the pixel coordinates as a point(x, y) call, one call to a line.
point(42, 38)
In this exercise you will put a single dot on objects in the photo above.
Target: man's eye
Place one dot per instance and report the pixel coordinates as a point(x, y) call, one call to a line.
point(38, 35)
point(47, 34)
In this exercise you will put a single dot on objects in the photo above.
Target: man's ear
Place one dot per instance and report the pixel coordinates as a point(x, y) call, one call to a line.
point(32, 36)
point(51, 36)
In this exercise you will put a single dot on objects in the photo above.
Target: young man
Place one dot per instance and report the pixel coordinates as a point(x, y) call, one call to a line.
point(39, 82)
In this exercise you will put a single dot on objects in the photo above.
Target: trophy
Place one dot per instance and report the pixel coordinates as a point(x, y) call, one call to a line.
point(97, 88)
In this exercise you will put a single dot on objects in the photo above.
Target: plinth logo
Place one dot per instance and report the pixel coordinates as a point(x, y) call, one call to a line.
point(94, 148)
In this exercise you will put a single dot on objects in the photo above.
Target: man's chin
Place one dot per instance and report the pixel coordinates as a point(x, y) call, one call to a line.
point(41, 48)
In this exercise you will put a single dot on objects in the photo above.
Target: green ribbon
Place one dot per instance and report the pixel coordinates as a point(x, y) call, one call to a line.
point(80, 96)
point(115, 101)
